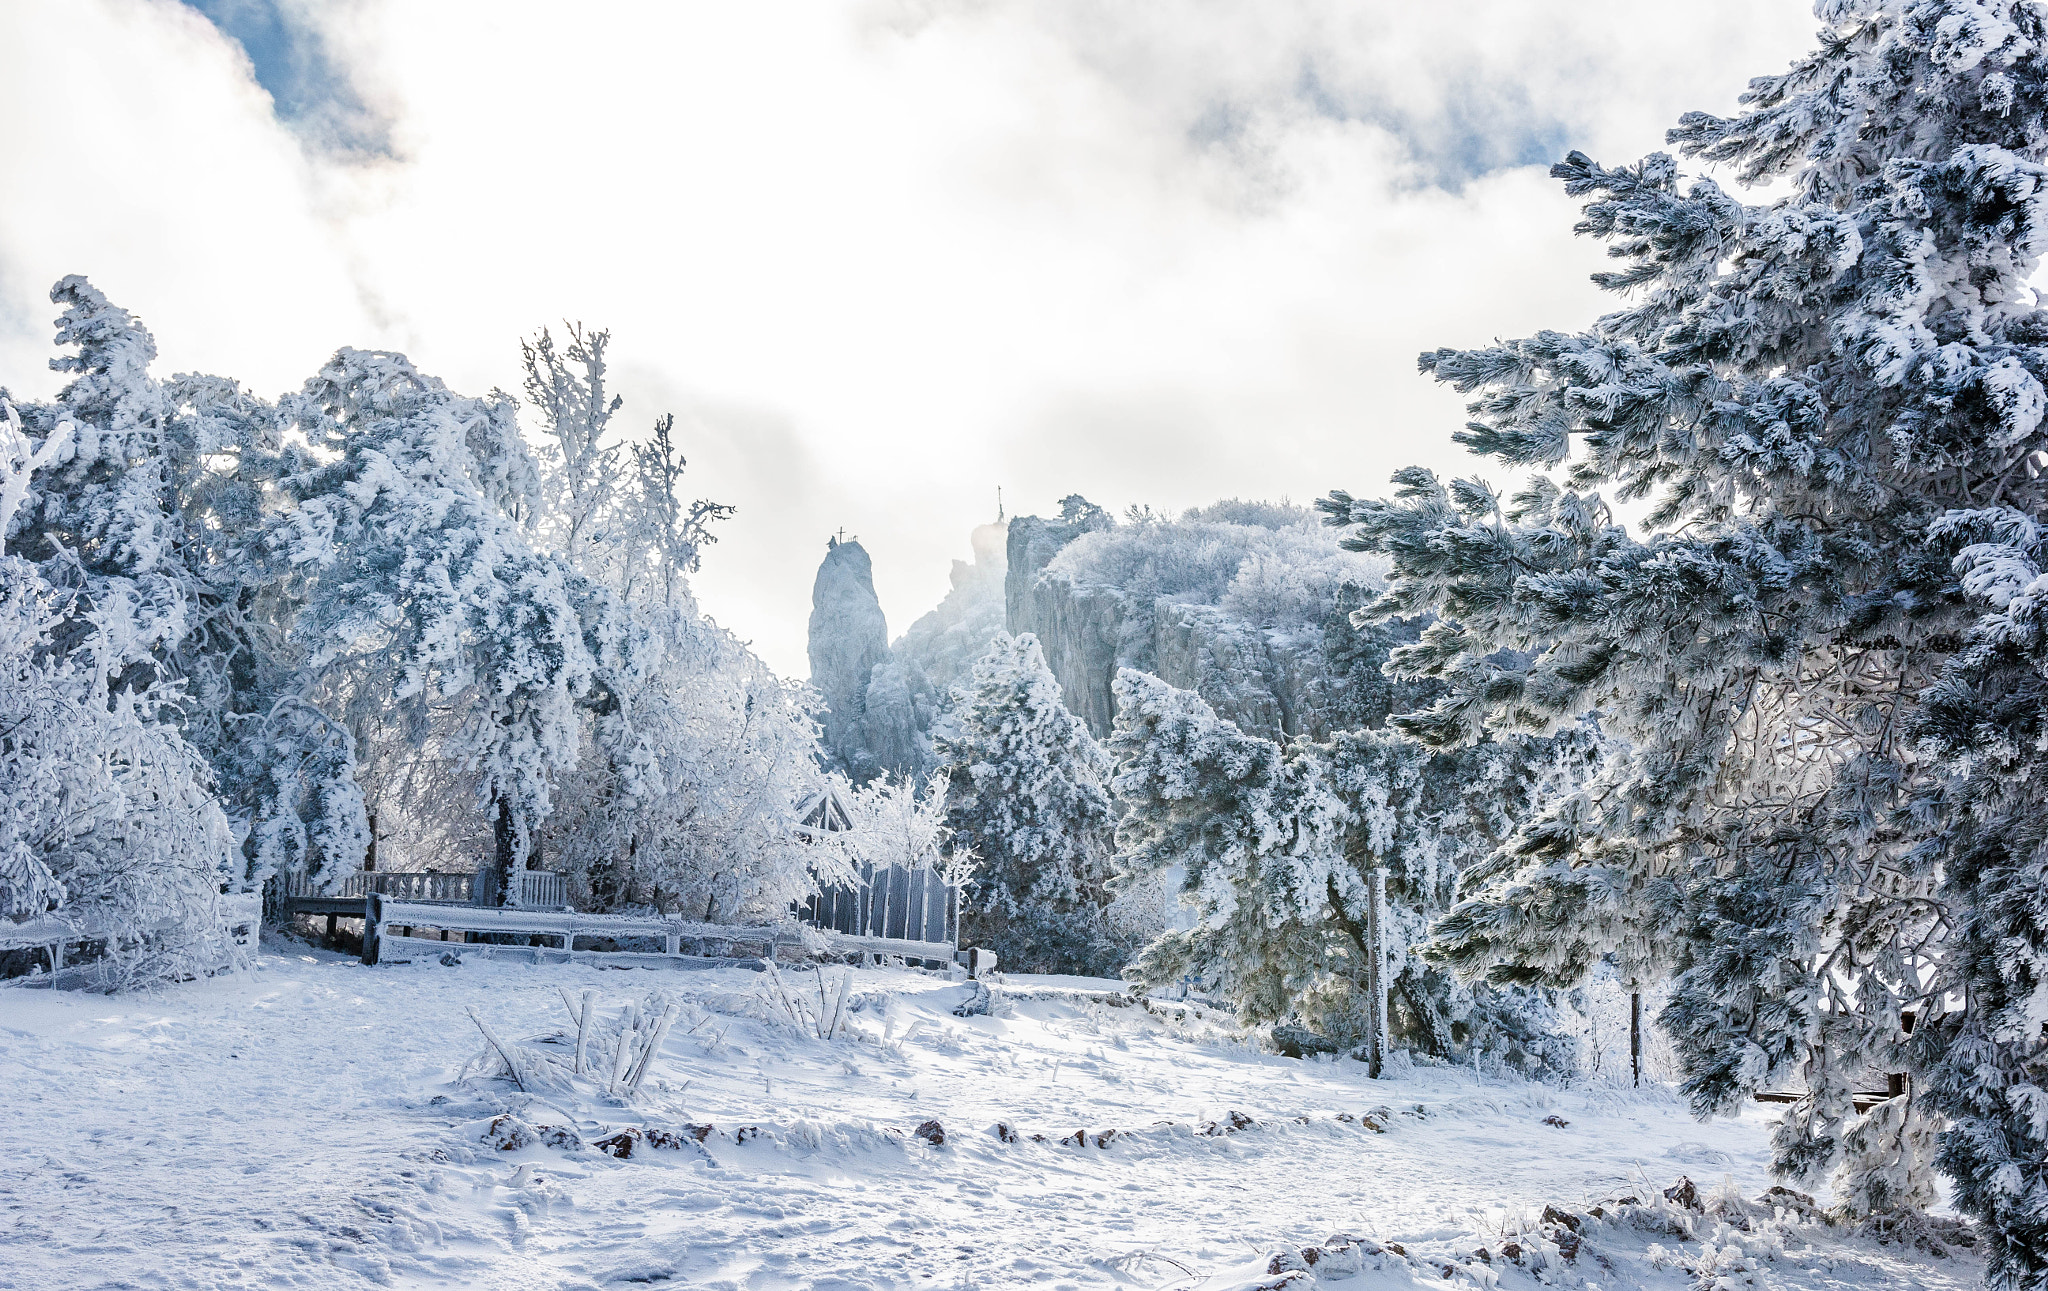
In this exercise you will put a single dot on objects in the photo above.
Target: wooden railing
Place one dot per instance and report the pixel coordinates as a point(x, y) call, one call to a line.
point(541, 890)
point(888, 903)
point(393, 927)
point(538, 889)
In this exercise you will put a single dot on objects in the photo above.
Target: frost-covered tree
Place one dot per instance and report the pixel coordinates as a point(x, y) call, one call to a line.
point(900, 821)
point(568, 387)
point(422, 603)
point(107, 815)
point(1804, 386)
point(1274, 848)
point(699, 810)
point(1026, 791)
point(665, 536)
point(1987, 720)
point(150, 524)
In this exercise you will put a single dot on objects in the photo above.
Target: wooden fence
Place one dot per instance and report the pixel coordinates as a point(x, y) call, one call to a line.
point(893, 903)
point(392, 933)
point(538, 889)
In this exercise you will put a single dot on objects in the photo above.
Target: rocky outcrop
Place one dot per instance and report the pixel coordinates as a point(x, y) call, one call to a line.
point(1301, 674)
point(1246, 604)
point(849, 636)
point(946, 642)
point(878, 709)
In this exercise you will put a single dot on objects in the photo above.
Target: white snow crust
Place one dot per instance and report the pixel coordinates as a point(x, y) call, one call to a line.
point(303, 1124)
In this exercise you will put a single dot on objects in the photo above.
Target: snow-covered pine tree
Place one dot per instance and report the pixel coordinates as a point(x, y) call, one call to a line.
point(1026, 792)
point(1274, 850)
point(1808, 385)
point(1987, 720)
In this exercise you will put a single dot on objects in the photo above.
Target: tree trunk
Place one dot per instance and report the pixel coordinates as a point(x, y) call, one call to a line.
point(1635, 1035)
point(502, 858)
point(370, 853)
point(1376, 984)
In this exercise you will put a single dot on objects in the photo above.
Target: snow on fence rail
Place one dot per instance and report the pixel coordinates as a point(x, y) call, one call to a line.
point(683, 943)
point(241, 920)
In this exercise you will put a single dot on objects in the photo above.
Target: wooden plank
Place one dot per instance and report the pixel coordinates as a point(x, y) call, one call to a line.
point(887, 945)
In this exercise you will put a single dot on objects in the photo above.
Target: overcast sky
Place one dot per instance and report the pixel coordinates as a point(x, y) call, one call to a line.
point(879, 258)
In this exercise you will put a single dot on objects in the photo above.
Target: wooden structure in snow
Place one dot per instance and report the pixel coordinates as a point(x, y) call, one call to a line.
point(891, 902)
point(393, 932)
point(296, 894)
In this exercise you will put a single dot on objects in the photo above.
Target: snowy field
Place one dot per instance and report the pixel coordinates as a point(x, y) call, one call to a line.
point(306, 1124)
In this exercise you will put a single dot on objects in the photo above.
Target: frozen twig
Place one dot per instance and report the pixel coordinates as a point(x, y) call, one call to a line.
point(583, 1028)
point(511, 1061)
point(654, 1039)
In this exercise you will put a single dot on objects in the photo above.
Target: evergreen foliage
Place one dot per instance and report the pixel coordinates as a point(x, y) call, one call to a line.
point(1806, 388)
point(1026, 794)
point(1274, 848)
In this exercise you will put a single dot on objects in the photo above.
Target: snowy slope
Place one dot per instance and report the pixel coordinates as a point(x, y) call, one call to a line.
point(303, 1125)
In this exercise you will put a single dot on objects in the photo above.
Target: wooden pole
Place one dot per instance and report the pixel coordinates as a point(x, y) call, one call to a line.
point(1635, 1035)
point(1376, 987)
point(373, 929)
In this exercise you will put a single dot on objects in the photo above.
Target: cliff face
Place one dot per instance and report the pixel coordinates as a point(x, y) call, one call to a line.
point(1252, 614)
point(946, 642)
point(1246, 604)
point(849, 636)
point(878, 709)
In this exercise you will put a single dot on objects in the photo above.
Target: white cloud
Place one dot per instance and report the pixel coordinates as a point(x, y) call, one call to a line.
point(881, 258)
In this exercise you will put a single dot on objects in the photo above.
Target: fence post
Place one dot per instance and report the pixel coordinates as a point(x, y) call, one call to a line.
point(1376, 987)
point(373, 920)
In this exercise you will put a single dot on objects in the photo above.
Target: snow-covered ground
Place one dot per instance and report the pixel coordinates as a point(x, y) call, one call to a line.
point(305, 1124)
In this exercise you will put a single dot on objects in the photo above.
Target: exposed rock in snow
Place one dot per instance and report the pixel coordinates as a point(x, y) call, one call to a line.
point(849, 636)
point(878, 708)
point(1246, 604)
point(946, 642)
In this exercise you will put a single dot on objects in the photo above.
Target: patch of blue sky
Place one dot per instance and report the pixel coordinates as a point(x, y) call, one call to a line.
point(1473, 130)
point(310, 91)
